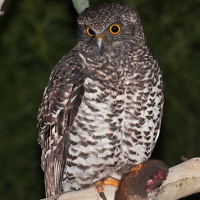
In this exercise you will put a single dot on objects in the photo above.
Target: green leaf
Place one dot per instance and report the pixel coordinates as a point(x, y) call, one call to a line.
point(80, 5)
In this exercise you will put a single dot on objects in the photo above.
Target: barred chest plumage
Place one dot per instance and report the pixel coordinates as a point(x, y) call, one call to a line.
point(117, 122)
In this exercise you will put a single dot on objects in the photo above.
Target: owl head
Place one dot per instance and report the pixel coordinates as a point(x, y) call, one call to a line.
point(109, 26)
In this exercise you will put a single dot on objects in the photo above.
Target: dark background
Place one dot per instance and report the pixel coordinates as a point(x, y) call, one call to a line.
point(34, 35)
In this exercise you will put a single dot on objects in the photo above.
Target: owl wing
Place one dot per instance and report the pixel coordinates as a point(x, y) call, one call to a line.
point(61, 100)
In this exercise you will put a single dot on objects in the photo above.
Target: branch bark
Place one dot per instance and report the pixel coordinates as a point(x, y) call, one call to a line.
point(183, 180)
point(1, 4)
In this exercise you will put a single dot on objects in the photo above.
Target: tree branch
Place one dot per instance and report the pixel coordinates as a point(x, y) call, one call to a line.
point(1, 4)
point(183, 180)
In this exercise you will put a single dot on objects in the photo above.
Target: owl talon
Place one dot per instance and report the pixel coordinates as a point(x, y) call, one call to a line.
point(108, 181)
point(102, 195)
point(100, 189)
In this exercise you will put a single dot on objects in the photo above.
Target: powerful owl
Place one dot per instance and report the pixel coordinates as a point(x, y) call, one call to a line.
point(102, 108)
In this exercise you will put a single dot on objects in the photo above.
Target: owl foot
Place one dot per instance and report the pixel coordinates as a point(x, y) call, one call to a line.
point(143, 181)
point(136, 168)
point(108, 181)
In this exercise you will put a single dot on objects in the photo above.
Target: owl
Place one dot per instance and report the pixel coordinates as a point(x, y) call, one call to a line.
point(102, 108)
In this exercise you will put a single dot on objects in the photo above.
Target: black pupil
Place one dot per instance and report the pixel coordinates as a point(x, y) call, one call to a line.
point(115, 29)
point(91, 32)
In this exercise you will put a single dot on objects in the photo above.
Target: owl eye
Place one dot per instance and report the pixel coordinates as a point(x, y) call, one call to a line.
point(114, 29)
point(90, 32)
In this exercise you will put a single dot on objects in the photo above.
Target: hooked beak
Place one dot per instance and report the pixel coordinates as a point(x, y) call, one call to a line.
point(100, 43)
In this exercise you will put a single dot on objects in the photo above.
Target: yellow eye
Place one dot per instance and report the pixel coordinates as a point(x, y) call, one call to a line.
point(114, 29)
point(90, 32)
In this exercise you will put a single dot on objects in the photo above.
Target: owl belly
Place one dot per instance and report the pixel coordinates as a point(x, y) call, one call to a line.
point(107, 134)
